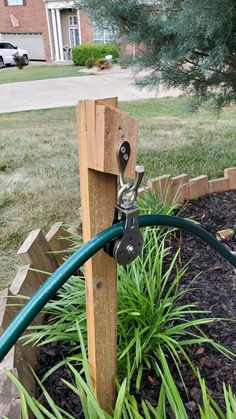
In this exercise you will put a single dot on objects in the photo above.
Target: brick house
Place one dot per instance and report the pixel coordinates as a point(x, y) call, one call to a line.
point(48, 29)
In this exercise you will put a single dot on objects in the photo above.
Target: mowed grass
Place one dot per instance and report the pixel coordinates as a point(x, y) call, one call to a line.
point(38, 72)
point(173, 140)
point(39, 182)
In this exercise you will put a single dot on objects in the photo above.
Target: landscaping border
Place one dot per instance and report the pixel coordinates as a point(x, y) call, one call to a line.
point(37, 255)
point(182, 188)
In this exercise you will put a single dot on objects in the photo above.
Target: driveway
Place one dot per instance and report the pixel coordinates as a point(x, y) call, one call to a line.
point(68, 91)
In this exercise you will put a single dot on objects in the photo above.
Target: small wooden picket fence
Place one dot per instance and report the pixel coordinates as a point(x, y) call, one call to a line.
point(37, 254)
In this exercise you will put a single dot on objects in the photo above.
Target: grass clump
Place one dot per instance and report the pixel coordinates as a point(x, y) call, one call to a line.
point(126, 406)
point(154, 327)
point(6, 165)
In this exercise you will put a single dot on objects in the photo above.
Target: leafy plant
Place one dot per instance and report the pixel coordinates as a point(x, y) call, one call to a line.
point(210, 409)
point(70, 306)
point(82, 53)
point(154, 326)
point(126, 406)
point(63, 315)
point(151, 316)
point(19, 60)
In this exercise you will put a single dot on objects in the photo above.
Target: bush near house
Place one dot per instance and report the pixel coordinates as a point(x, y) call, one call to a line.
point(81, 53)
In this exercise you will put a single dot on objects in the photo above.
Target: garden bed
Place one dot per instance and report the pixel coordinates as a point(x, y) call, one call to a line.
point(216, 285)
point(214, 288)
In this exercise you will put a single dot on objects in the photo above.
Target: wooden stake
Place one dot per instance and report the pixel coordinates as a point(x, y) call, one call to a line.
point(58, 240)
point(35, 251)
point(99, 137)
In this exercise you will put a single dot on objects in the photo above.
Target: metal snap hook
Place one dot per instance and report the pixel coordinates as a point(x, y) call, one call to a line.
point(139, 172)
point(126, 189)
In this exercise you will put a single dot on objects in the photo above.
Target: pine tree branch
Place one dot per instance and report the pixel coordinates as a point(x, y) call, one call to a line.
point(214, 70)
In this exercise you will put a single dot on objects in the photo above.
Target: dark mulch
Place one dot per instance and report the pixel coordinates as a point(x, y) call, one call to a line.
point(63, 397)
point(216, 286)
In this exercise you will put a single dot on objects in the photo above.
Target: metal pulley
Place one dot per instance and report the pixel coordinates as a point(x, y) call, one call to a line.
point(129, 246)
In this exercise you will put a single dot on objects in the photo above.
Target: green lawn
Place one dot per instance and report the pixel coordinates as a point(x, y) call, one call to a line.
point(174, 140)
point(39, 181)
point(39, 72)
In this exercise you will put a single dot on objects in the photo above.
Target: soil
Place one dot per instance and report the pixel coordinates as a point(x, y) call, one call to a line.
point(215, 290)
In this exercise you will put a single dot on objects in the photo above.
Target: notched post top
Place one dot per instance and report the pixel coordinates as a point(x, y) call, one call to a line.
point(113, 126)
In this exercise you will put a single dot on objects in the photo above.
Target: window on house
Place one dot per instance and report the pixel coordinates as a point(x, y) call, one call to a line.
point(15, 2)
point(74, 37)
point(103, 36)
point(73, 21)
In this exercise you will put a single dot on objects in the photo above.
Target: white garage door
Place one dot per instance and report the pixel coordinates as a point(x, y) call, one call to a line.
point(33, 42)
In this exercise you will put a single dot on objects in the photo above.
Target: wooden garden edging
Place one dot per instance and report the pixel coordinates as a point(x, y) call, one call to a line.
point(181, 188)
point(35, 253)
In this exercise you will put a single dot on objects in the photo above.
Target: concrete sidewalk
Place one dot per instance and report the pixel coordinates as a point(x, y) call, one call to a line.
point(53, 93)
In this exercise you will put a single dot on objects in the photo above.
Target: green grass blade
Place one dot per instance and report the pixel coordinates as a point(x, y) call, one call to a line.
point(29, 400)
point(120, 400)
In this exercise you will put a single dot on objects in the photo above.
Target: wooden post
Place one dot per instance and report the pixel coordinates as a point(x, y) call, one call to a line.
point(102, 127)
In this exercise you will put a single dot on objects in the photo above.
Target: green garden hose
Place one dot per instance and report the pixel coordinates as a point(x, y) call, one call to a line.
point(30, 310)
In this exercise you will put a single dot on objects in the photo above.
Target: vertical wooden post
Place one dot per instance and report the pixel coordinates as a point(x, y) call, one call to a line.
point(102, 127)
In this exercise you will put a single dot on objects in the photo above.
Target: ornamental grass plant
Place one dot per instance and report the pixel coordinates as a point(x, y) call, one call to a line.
point(155, 326)
point(127, 407)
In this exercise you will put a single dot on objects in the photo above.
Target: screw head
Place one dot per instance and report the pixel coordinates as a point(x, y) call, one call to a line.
point(126, 157)
point(130, 249)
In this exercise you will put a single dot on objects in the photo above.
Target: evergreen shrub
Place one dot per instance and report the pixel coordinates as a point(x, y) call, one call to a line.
point(19, 61)
point(81, 53)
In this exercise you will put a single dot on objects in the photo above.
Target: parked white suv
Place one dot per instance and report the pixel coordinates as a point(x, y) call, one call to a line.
point(7, 52)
